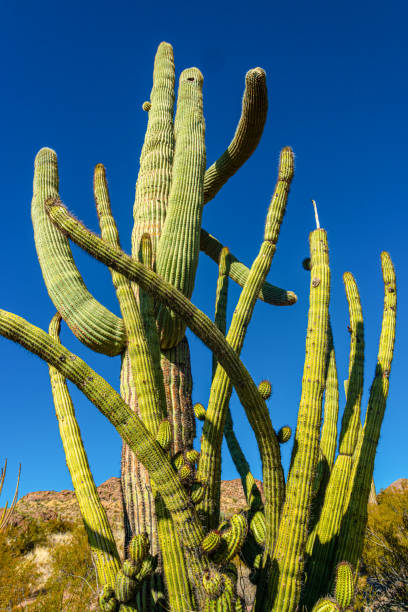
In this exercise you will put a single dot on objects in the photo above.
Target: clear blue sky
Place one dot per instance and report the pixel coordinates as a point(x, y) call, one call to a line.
point(74, 77)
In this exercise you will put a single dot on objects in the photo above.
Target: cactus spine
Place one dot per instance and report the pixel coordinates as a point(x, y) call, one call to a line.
point(180, 556)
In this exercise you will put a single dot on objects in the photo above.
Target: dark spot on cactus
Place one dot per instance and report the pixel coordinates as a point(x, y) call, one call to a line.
point(315, 282)
point(349, 329)
point(391, 290)
point(62, 358)
point(190, 79)
point(386, 373)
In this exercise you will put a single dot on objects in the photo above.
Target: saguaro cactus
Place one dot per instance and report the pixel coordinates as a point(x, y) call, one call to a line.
point(179, 555)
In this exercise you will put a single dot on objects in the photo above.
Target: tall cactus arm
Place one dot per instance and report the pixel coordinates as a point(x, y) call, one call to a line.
point(355, 518)
point(146, 377)
point(179, 245)
point(328, 436)
point(247, 135)
point(127, 424)
point(238, 272)
point(100, 537)
point(156, 160)
point(148, 380)
point(251, 490)
point(284, 586)
point(91, 322)
point(209, 467)
point(325, 534)
point(196, 320)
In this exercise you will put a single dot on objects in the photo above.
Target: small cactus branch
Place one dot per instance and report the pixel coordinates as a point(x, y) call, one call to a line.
point(221, 299)
point(89, 321)
point(238, 272)
point(196, 320)
point(352, 532)
point(247, 135)
point(8, 511)
point(282, 591)
point(179, 245)
point(209, 467)
point(100, 537)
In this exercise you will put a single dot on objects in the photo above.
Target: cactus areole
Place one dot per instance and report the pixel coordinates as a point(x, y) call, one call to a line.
point(179, 553)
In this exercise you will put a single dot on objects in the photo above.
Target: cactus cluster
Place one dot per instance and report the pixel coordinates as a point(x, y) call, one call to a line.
point(181, 555)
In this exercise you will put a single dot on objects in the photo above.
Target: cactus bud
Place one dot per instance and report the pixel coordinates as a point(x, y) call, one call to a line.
point(265, 389)
point(199, 411)
point(146, 106)
point(125, 587)
point(149, 564)
point(178, 460)
point(327, 604)
point(163, 436)
point(284, 434)
point(139, 547)
point(213, 583)
point(129, 568)
point(107, 600)
point(258, 527)
point(197, 492)
point(211, 541)
point(192, 456)
point(185, 472)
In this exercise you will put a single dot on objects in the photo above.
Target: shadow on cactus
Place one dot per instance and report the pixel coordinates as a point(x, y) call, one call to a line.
point(180, 552)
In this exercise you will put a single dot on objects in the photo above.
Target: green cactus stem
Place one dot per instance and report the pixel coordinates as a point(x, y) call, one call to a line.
point(281, 592)
point(138, 548)
point(247, 135)
point(238, 272)
point(355, 517)
point(179, 245)
point(89, 321)
point(100, 537)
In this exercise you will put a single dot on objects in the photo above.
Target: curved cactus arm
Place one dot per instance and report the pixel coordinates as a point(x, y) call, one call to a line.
point(209, 467)
point(247, 135)
point(280, 591)
point(355, 518)
point(100, 537)
point(8, 512)
point(253, 403)
point(89, 321)
point(238, 272)
point(325, 534)
point(156, 160)
point(148, 380)
point(125, 421)
point(179, 244)
point(221, 298)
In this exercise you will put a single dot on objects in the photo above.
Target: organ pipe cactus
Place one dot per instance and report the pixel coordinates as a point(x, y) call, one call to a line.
point(179, 554)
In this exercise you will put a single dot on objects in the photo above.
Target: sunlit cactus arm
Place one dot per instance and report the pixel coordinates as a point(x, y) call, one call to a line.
point(147, 376)
point(100, 537)
point(238, 272)
point(179, 244)
point(91, 322)
point(7, 513)
point(325, 534)
point(355, 518)
point(127, 424)
point(251, 490)
point(247, 135)
point(195, 319)
point(328, 436)
point(209, 467)
point(148, 381)
point(156, 160)
point(280, 591)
